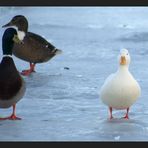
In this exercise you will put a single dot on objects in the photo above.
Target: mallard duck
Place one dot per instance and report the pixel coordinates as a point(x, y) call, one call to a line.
point(120, 90)
point(35, 49)
point(12, 85)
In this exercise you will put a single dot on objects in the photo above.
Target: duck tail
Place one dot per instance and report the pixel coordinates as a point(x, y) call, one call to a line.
point(58, 51)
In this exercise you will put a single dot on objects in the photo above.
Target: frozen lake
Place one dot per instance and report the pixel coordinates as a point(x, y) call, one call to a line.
point(64, 105)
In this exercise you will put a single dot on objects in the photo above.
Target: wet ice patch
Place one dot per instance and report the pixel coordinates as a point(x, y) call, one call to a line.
point(117, 138)
point(64, 104)
point(135, 37)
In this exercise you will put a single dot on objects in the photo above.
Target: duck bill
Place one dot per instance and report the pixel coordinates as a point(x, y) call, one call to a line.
point(123, 60)
point(7, 25)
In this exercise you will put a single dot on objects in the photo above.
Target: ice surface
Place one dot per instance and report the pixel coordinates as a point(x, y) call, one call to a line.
point(62, 104)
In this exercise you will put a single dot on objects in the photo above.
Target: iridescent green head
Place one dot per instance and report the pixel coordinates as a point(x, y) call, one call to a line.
point(8, 39)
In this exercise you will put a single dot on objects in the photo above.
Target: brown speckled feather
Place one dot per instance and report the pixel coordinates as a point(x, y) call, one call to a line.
point(10, 80)
point(35, 49)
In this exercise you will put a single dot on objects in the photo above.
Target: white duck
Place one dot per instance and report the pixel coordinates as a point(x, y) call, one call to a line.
point(120, 89)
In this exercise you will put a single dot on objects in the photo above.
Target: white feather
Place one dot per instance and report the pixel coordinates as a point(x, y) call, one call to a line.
point(120, 90)
point(21, 34)
point(7, 56)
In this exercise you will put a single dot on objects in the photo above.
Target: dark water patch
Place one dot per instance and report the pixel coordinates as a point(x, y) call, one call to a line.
point(136, 37)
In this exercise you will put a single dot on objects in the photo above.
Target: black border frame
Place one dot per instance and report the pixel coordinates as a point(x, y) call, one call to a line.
point(74, 3)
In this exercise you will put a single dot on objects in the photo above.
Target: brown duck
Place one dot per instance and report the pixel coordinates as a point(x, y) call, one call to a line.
point(35, 49)
point(12, 85)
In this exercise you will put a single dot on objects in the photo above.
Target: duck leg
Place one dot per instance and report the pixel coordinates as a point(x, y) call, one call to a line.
point(32, 66)
point(110, 110)
point(13, 115)
point(29, 71)
point(126, 116)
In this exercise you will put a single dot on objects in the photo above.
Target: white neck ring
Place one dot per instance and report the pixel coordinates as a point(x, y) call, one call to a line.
point(7, 55)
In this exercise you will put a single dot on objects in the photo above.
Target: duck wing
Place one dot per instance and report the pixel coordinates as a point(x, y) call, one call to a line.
point(34, 49)
point(35, 38)
point(10, 80)
point(109, 78)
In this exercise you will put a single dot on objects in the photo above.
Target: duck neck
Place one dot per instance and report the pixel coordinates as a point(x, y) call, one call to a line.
point(123, 68)
point(7, 55)
point(23, 27)
point(7, 48)
point(21, 34)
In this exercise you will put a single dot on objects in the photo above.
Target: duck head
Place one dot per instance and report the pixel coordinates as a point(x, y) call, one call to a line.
point(18, 21)
point(21, 23)
point(124, 57)
point(9, 37)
